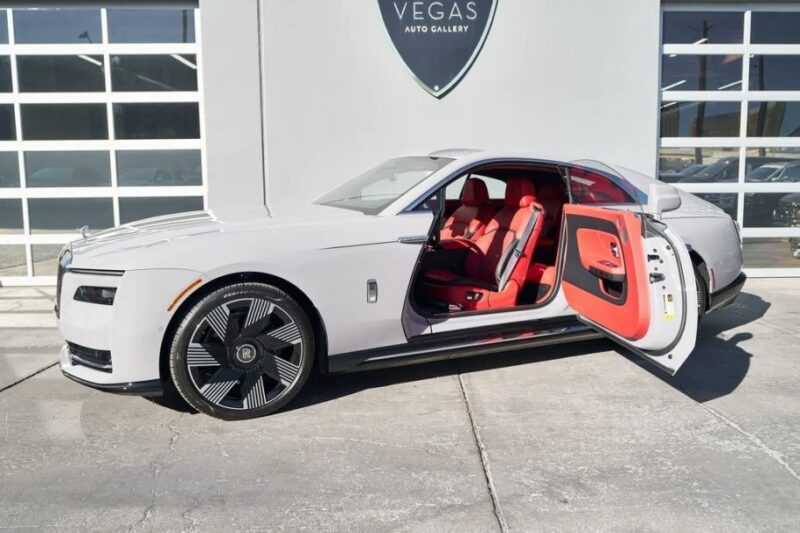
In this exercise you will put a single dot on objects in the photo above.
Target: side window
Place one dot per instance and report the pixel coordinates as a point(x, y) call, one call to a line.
point(496, 187)
point(453, 190)
point(589, 187)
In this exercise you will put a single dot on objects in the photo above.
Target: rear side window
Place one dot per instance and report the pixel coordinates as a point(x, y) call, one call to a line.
point(589, 187)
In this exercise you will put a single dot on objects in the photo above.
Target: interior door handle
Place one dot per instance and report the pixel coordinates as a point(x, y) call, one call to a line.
point(607, 270)
point(413, 239)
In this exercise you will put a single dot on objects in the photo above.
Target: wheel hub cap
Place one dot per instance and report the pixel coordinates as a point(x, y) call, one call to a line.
point(245, 354)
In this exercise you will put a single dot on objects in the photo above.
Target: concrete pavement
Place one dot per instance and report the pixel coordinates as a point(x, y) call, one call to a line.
point(571, 437)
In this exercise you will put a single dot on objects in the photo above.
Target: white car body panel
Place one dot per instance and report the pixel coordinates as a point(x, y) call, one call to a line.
point(327, 253)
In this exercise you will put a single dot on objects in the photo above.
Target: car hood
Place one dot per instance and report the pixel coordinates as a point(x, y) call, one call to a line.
point(126, 246)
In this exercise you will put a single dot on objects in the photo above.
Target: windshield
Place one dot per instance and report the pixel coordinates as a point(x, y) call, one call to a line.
point(762, 173)
point(376, 189)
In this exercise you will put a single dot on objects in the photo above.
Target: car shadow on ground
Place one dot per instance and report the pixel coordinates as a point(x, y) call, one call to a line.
point(718, 364)
point(716, 368)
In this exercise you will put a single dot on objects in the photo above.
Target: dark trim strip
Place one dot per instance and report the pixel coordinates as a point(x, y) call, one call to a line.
point(450, 345)
point(93, 272)
point(137, 388)
point(727, 295)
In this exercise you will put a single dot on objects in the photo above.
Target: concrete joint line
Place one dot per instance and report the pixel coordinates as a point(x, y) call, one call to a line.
point(760, 444)
point(29, 376)
point(484, 457)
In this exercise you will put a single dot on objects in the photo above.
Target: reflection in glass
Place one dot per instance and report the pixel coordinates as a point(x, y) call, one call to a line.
point(771, 253)
point(772, 165)
point(81, 73)
point(8, 129)
point(5, 75)
point(131, 209)
point(151, 72)
point(157, 121)
point(700, 119)
point(773, 119)
point(3, 29)
point(764, 210)
point(703, 27)
point(10, 216)
point(57, 122)
point(774, 73)
point(45, 259)
point(689, 165)
point(726, 201)
point(66, 215)
point(68, 169)
point(9, 169)
point(57, 26)
point(151, 25)
point(701, 73)
point(13, 261)
point(771, 27)
point(137, 168)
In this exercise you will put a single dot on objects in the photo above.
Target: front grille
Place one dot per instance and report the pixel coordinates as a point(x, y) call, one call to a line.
point(97, 359)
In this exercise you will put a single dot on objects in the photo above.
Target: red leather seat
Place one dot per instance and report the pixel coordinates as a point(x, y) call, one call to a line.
point(497, 262)
point(469, 220)
point(552, 196)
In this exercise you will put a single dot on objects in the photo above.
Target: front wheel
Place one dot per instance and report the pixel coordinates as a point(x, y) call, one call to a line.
point(243, 351)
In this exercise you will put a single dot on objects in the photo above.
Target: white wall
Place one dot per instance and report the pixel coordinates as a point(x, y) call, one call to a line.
point(573, 78)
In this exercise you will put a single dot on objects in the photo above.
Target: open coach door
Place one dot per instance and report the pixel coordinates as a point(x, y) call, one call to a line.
point(630, 276)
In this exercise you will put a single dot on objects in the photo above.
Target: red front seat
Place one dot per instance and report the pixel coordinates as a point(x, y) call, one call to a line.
point(498, 261)
point(469, 220)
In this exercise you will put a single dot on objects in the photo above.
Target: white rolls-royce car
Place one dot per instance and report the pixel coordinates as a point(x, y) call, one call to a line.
point(455, 253)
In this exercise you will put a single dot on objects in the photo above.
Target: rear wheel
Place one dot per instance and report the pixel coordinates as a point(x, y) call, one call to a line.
point(243, 351)
point(702, 293)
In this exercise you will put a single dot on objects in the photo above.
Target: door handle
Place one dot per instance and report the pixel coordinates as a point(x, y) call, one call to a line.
point(413, 239)
point(614, 249)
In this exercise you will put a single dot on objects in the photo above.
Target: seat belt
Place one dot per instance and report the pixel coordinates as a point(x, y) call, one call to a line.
point(516, 251)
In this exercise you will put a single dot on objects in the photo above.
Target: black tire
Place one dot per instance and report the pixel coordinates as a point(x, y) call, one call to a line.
point(702, 293)
point(243, 351)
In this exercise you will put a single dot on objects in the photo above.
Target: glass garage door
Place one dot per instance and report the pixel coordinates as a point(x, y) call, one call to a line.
point(730, 120)
point(100, 124)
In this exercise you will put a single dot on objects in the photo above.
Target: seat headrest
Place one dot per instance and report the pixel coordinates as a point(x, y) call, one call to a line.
point(474, 192)
point(520, 192)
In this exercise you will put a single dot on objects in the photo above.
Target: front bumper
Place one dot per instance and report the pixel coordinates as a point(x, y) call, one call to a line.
point(130, 331)
point(727, 295)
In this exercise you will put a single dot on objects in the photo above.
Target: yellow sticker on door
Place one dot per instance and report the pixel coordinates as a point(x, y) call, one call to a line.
point(669, 307)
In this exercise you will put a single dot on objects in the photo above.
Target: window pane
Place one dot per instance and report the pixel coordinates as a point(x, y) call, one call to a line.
point(774, 28)
point(698, 165)
point(151, 25)
point(13, 261)
point(593, 188)
point(5, 74)
point(9, 169)
point(728, 202)
point(772, 165)
point(771, 253)
point(3, 27)
point(154, 72)
point(131, 209)
point(157, 121)
point(701, 73)
point(773, 119)
point(761, 209)
point(700, 119)
point(34, 26)
point(8, 129)
point(775, 73)
point(54, 122)
point(137, 168)
point(10, 216)
point(703, 27)
point(68, 169)
point(66, 215)
point(45, 259)
point(60, 73)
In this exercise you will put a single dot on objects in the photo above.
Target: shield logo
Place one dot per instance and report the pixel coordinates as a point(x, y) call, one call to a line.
point(438, 40)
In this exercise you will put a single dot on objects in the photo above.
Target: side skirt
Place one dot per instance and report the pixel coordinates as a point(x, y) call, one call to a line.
point(465, 343)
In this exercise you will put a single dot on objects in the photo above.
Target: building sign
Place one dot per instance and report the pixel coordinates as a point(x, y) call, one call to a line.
point(438, 39)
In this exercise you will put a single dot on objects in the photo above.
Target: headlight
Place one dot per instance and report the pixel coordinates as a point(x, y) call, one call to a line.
point(96, 295)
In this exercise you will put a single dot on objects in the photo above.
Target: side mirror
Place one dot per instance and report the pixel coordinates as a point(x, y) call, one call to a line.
point(662, 197)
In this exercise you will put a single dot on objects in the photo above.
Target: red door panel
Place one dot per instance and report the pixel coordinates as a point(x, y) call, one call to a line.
point(605, 276)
